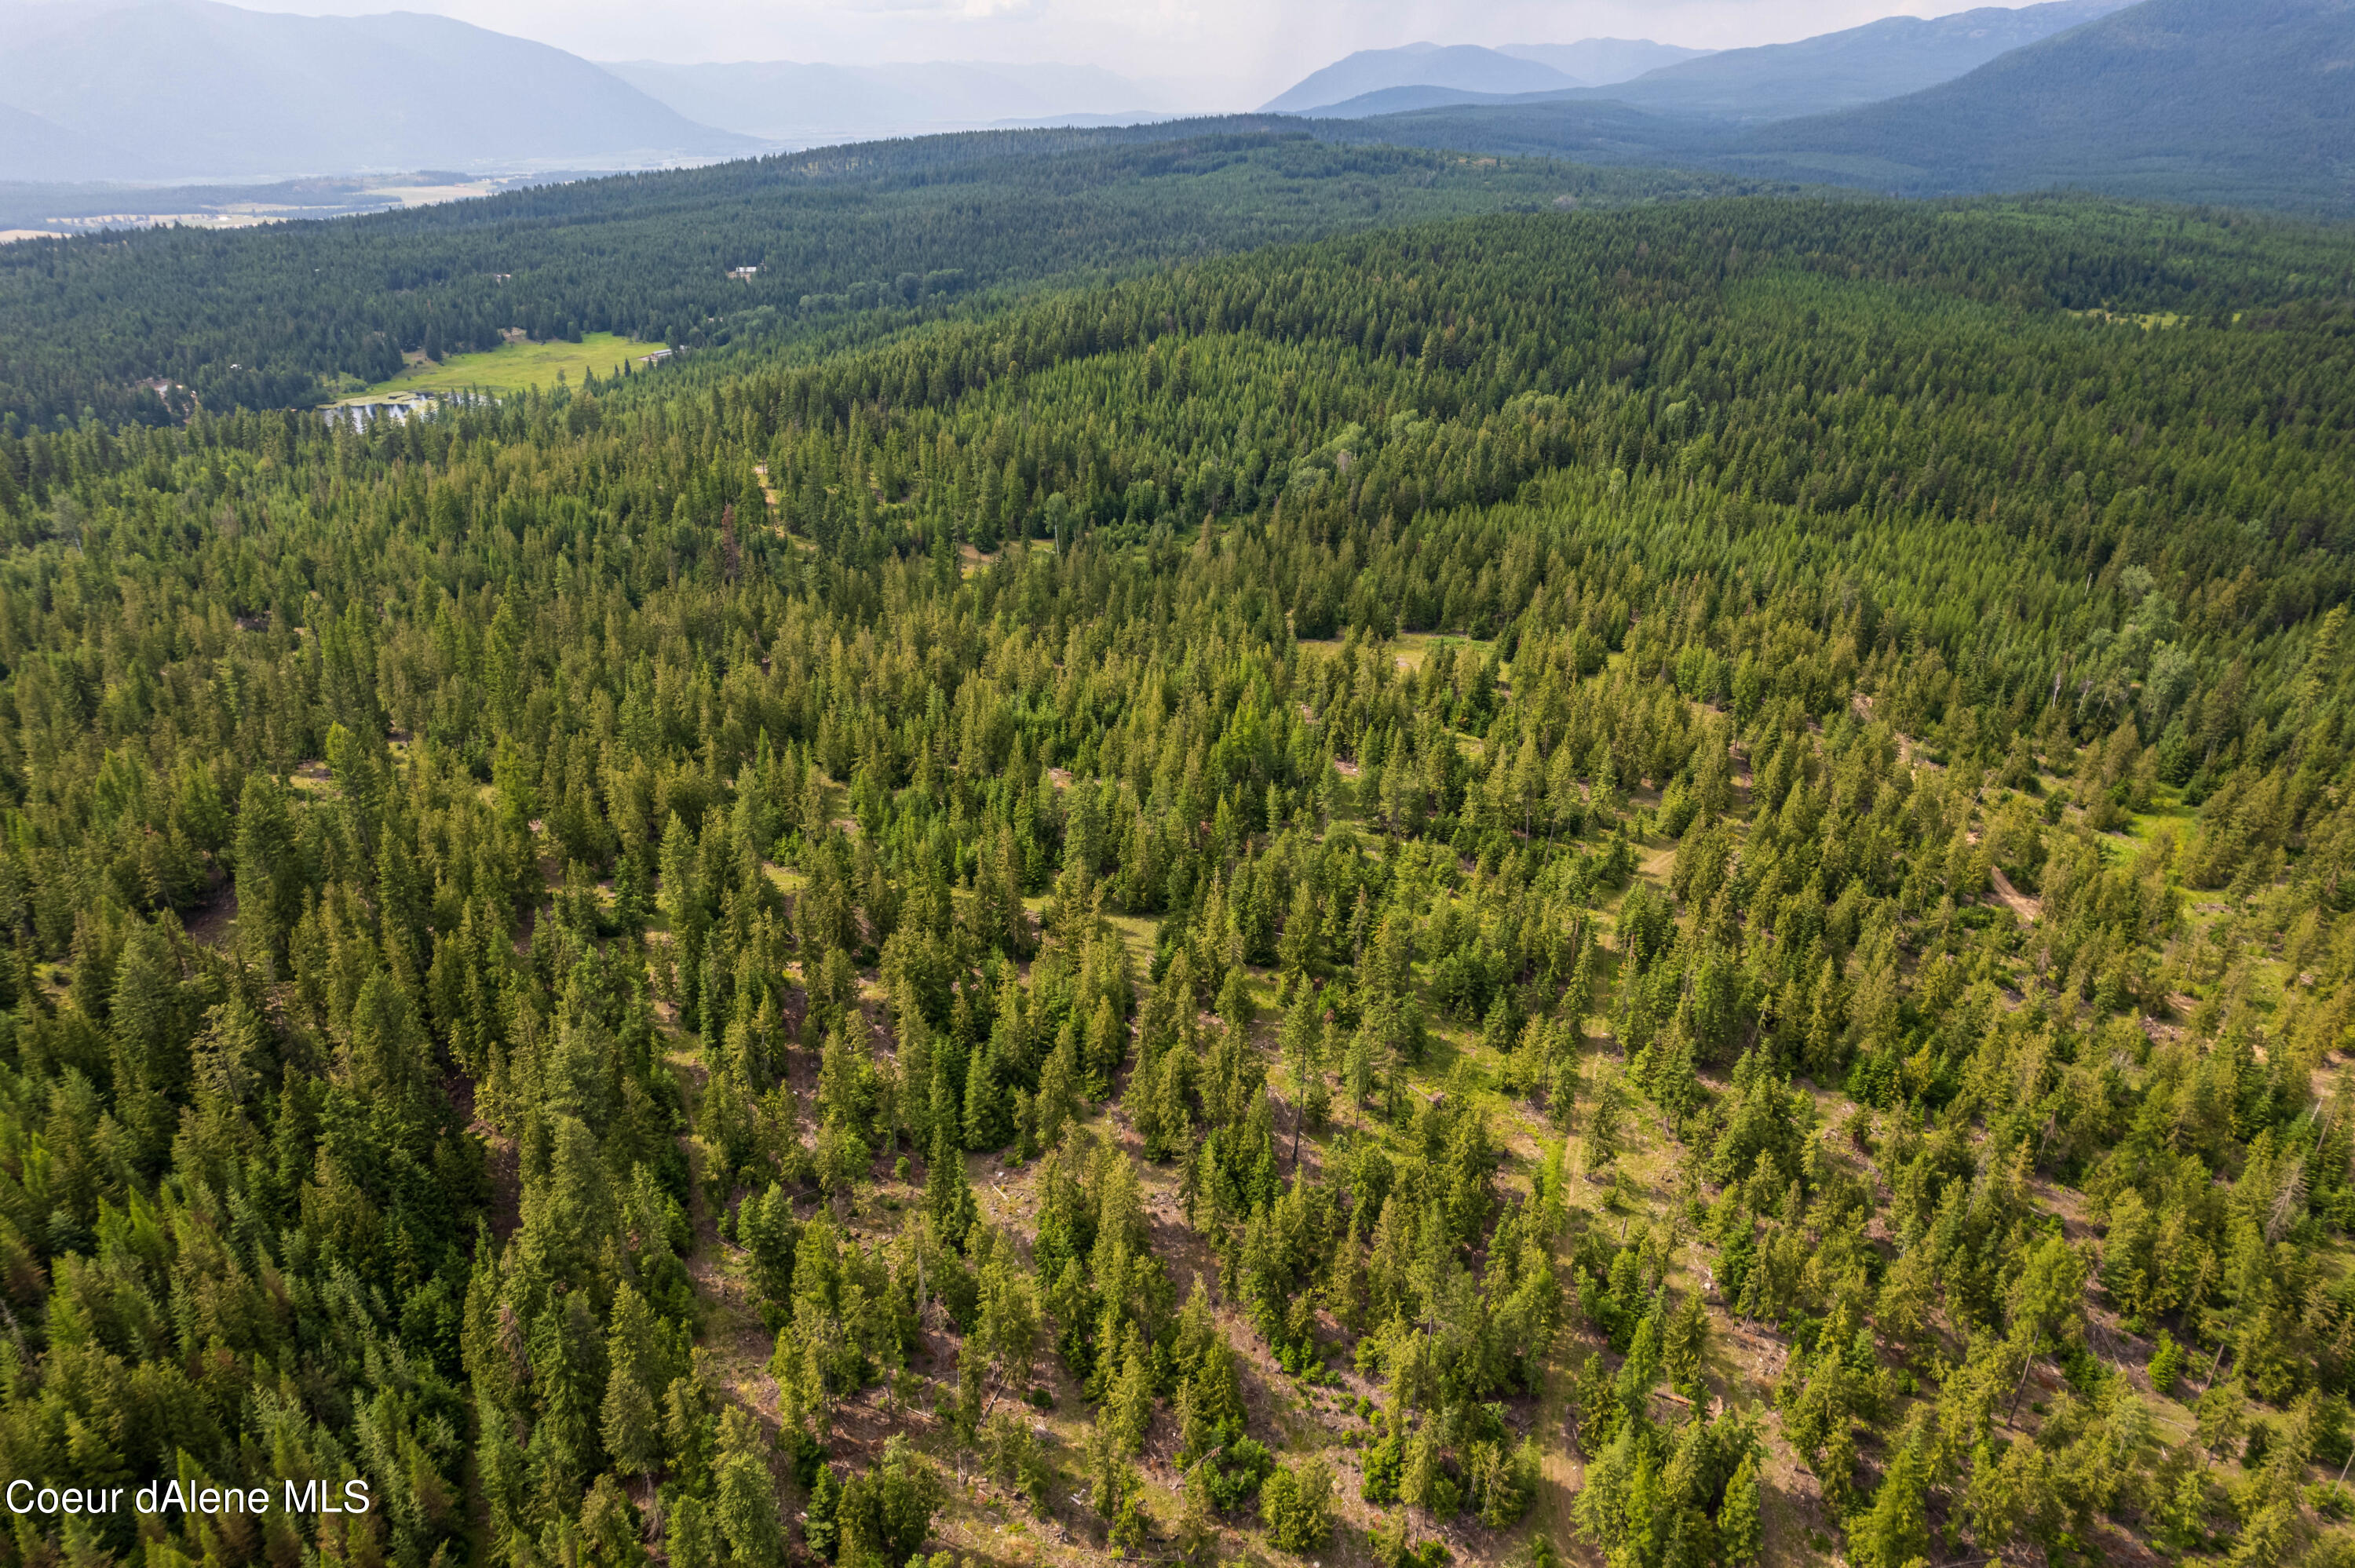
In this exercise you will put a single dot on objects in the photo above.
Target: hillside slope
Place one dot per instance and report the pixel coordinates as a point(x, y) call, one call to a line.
point(874, 232)
point(2249, 102)
point(188, 88)
point(1391, 101)
point(1568, 125)
point(1855, 65)
point(34, 148)
point(2209, 100)
point(1668, 889)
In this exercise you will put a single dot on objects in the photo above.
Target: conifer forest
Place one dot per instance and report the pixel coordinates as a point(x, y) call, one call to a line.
point(1662, 881)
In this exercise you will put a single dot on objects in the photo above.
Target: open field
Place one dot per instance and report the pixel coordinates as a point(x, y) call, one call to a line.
point(518, 365)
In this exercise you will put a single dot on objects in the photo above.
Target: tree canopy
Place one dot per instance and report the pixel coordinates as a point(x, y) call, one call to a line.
point(1239, 900)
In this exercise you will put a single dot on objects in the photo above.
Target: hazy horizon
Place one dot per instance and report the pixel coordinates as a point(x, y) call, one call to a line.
point(1203, 54)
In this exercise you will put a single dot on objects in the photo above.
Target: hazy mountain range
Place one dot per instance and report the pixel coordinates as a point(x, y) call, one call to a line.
point(146, 91)
point(1419, 74)
point(1860, 65)
point(1601, 62)
point(1856, 66)
point(189, 88)
point(2239, 101)
point(2247, 102)
point(1465, 67)
point(800, 105)
point(2235, 100)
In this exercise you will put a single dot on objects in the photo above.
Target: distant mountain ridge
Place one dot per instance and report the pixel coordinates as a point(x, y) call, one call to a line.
point(1600, 62)
point(1592, 61)
point(2245, 102)
point(32, 147)
point(1406, 99)
point(2195, 99)
point(1887, 58)
point(791, 102)
point(2239, 101)
point(1467, 67)
point(193, 88)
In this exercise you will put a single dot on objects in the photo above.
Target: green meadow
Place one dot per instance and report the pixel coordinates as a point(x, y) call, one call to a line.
point(516, 367)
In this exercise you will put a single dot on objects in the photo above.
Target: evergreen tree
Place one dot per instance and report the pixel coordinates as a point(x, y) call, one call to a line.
point(745, 1503)
point(948, 1193)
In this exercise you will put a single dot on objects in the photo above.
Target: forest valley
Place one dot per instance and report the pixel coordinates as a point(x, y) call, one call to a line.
point(1660, 888)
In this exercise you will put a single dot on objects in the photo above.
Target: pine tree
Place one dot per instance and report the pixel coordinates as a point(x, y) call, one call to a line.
point(1297, 1504)
point(630, 1423)
point(745, 1506)
point(690, 1422)
point(1892, 1532)
point(1685, 1346)
point(689, 1539)
point(269, 873)
point(820, 1520)
point(1131, 1525)
point(1129, 1411)
point(1346, 1289)
point(1196, 1533)
point(1236, 1009)
point(1058, 1100)
point(1604, 1117)
point(883, 1516)
point(1357, 1069)
point(1302, 1044)
point(146, 1013)
point(769, 1233)
point(1740, 1529)
point(1107, 1046)
point(988, 1120)
point(948, 1191)
point(1421, 1480)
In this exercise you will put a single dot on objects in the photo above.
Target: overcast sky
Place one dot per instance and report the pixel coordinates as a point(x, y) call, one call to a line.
point(1209, 53)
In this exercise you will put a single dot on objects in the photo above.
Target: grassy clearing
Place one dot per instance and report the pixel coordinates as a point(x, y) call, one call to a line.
point(1412, 648)
point(518, 365)
point(2168, 813)
point(1408, 650)
point(2149, 320)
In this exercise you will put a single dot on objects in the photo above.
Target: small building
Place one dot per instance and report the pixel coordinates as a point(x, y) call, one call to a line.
point(362, 412)
point(744, 274)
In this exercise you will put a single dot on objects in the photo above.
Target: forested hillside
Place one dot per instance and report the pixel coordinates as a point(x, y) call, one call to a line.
point(1656, 888)
point(1882, 59)
point(2227, 101)
point(2240, 103)
point(881, 234)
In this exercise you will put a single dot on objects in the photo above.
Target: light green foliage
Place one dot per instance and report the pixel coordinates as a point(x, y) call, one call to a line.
point(489, 903)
